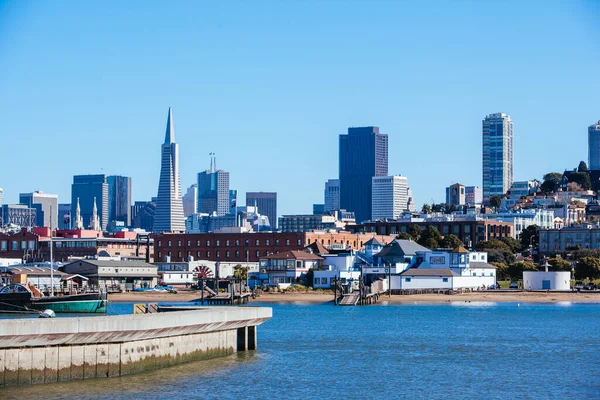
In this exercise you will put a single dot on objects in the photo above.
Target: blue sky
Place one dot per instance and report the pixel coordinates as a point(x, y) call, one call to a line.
point(268, 86)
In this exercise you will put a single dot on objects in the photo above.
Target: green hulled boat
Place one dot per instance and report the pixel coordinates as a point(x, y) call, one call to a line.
point(19, 297)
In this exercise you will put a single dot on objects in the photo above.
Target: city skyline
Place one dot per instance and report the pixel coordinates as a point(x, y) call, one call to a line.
point(414, 93)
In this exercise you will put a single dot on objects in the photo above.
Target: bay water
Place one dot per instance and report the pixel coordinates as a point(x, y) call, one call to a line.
point(454, 351)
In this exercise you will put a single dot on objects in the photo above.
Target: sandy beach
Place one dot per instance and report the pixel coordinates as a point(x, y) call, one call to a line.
point(311, 297)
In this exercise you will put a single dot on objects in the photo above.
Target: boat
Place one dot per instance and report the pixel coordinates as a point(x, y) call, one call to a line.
point(17, 297)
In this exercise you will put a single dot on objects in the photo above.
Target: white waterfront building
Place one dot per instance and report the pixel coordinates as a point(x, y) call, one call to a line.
point(389, 196)
point(549, 280)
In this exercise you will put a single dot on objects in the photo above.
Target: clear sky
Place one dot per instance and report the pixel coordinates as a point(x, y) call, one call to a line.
point(269, 85)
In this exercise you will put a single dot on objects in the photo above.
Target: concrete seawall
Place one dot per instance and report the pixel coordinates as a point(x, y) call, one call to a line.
point(60, 349)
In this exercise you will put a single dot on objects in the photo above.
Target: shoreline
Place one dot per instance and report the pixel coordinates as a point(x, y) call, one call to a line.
point(320, 298)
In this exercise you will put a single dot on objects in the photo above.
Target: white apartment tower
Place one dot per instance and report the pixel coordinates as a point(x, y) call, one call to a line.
point(389, 197)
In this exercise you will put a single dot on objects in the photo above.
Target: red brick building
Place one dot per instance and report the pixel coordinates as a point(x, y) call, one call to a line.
point(232, 247)
point(23, 245)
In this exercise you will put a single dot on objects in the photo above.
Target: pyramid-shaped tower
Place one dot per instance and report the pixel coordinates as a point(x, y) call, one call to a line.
point(169, 205)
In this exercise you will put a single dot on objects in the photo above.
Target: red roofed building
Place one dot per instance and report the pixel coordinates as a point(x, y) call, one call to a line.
point(288, 267)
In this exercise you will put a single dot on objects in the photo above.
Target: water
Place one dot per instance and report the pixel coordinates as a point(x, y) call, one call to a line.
point(464, 350)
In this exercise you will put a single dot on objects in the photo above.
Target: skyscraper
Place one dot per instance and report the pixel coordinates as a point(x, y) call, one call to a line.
point(119, 199)
point(85, 188)
point(363, 155)
point(497, 155)
point(213, 190)
point(46, 206)
point(169, 205)
point(266, 203)
point(64, 216)
point(390, 197)
point(594, 147)
point(332, 195)
point(190, 200)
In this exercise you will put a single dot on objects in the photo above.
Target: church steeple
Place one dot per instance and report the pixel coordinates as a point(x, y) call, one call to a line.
point(170, 134)
point(78, 219)
point(95, 222)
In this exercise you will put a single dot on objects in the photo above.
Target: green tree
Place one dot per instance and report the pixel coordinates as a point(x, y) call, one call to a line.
point(551, 181)
point(515, 270)
point(530, 237)
point(426, 209)
point(582, 179)
point(308, 278)
point(512, 243)
point(492, 244)
point(240, 272)
point(501, 271)
point(430, 238)
point(414, 230)
point(587, 268)
point(404, 236)
point(495, 201)
point(582, 167)
point(558, 264)
point(450, 241)
point(501, 256)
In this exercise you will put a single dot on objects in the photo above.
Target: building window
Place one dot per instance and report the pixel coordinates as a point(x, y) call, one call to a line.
point(208, 243)
point(159, 255)
point(179, 243)
point(227, 254)
point(31, 245)
point(169, 243)
point(444, 280)
point(3, 245)
point(208, 254)
point(246, 242)
point(218, 254)
point(198, 254)
point(198, 243)
point(23, 245)
point(257, 253)
point(299, 242)
point(237, 242)
point(217, 243)
point(276, 242)
point(237, 254)
point(257, 242)
point(159, 243)
point(287, 242)
point(179, 254)
point(227, 243)
point(189, 243)
point(406, 279)
point(267, 242)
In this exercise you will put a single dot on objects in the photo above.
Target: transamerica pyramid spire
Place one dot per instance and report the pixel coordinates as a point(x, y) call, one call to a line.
point(169, 205)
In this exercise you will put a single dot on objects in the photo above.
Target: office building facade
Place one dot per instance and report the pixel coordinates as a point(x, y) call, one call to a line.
point(190, 200)
point(119, 199)
point(594, 147)
point(332, 195)
point(85, 189)
point(390, 197)
point(213, 191)
point(19, 215)
point(169, 204)
point(363, 155)
point(64, 216)
point(266, 203)
point(497, 155)
point(46, 206)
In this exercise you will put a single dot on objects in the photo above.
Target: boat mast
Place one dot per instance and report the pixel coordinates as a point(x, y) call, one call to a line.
point(51, 258)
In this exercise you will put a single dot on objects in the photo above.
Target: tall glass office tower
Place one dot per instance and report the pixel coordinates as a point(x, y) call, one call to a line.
point(594, 147)
point(363, 155)
point(497, 155)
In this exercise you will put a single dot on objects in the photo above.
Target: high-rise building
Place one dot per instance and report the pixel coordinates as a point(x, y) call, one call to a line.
point(474, 195)
point(169, 205)
point(1, 197)
point(190, 200)
point(142, 214)
point(46, 206)
point(460, 195)
point(85, 189)
point(594, 147)
point(318, 209)
point(266, 203)
point(233, 201)
point(119, 199)
point(18, 214)
point(332, 195)
point(213, 190)
point(497, 155)
point(363, 155)
point(64, 216)
point(390, 197)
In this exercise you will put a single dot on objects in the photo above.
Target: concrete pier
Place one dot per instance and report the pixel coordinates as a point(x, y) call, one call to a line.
point(61, 349)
